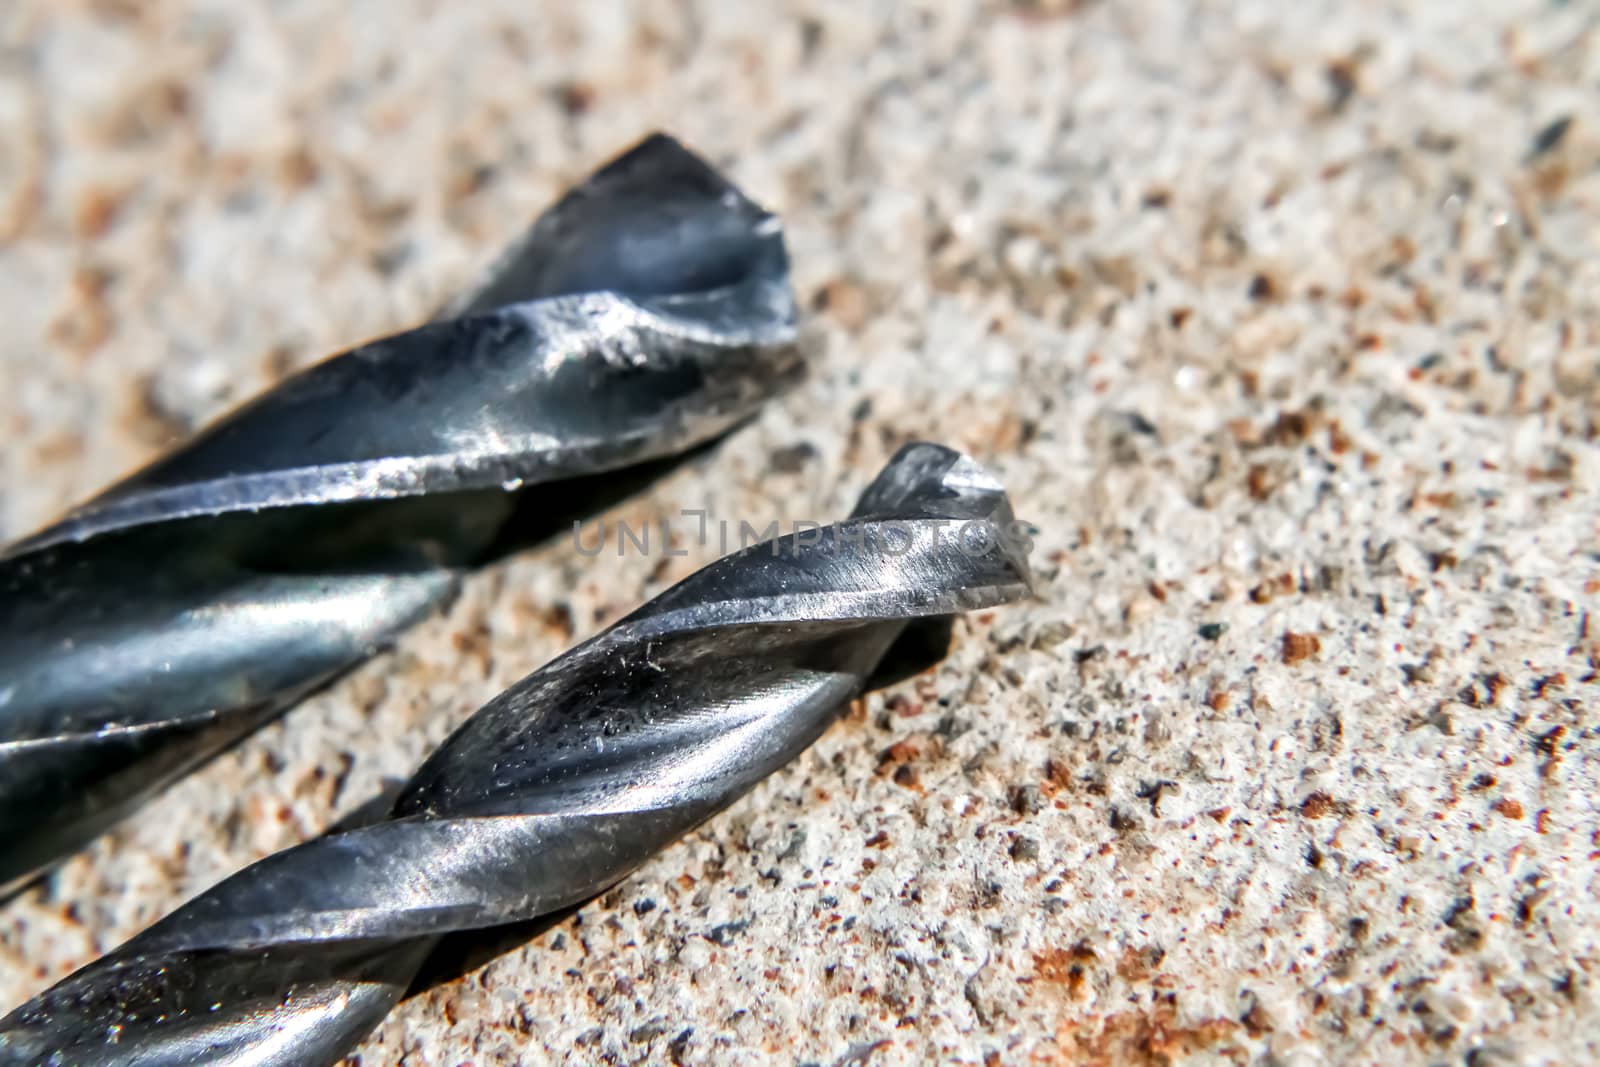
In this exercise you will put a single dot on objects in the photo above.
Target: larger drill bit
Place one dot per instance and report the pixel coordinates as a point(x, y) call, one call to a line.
point(553, 791)
point(645, 313)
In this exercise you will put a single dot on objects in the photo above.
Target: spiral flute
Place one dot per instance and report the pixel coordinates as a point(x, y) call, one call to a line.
point(553, 791)
point(647, 312)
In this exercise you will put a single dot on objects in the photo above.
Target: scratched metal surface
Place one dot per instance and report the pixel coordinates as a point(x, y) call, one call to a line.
point(644, 315)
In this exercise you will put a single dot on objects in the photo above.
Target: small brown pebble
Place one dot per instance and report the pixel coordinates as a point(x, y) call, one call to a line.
point(1297, 647)
point(902, 751)
point(1341, 78)
point(1257, 1020)
point(558, 618)
point(1316, 805)
point(1057, 776)
point(844, 301)
point(96, 210)
point(1260, 482)
point(1273, 587)
point(298, 168)
point(577, 97)
point(1290, 428)
point(1511, 809)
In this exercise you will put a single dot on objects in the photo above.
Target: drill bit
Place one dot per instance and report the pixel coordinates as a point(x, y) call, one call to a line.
point(646, 313)
point(551, 792)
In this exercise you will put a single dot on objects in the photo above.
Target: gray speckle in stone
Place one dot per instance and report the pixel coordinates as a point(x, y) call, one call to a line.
point(725, 934)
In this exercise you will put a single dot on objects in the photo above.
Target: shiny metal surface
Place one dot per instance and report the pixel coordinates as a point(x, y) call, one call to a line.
point(646, 313)
point(550, 793)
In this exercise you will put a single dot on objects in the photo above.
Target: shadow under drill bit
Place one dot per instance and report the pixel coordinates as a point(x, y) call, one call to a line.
point(923, 644)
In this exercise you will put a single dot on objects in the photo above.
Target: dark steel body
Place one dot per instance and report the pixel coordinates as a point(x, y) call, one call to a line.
point(644, 314)
point(553, 791)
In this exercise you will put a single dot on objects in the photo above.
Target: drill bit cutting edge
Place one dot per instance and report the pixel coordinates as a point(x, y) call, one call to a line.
point(647, 312)
point(553, 791)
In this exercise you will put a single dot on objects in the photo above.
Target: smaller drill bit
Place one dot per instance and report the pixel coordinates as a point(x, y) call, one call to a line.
point(550, 793)
point(647, 312)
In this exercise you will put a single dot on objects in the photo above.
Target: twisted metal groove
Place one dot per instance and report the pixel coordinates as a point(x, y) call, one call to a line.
point(548, 794)
point(645, 313)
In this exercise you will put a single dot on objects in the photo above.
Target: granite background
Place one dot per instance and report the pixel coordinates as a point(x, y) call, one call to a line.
point(1279, 321)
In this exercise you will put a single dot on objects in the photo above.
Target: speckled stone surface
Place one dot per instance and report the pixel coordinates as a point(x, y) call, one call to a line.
point(1281, 323)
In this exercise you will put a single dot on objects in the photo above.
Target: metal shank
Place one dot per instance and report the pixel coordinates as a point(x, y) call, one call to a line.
point(550, 793)
point(647, 312)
